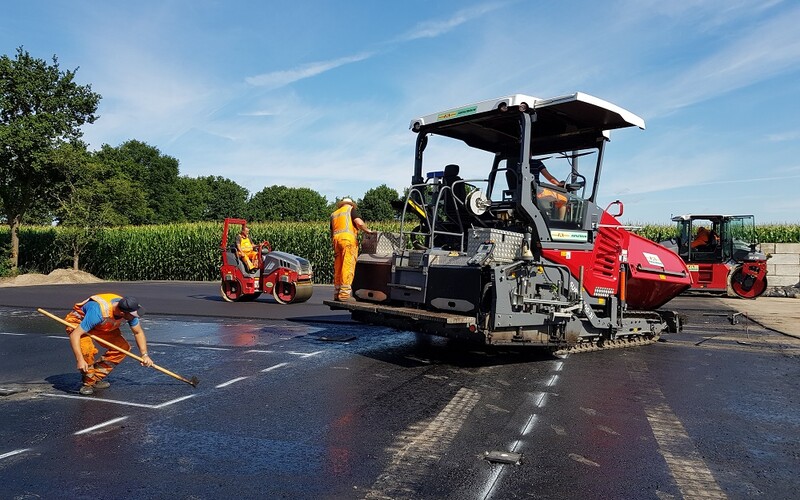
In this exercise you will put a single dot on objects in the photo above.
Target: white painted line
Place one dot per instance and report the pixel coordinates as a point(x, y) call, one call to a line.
point(491, 481)
point(514, 445)
point(529, 425)
point(229, 382)
point(260, 351)
point(540, 401)
point(305, 354)
point(418, 360)
point(213, 348)
point(15, 452)
point(274, 367)
point(173, 401)
point(14, 334)
point(99, 400)
point(61, 337)
point(100, 426)
point(113, 401)
point(558, 366)
point(160, 345)
point(552, 381)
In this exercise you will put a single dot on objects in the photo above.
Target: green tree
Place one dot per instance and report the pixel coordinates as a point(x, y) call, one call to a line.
point(212, 198)
point(154, 173)
point(88, 205)
point(377, 204)
point(41, 108)
point(281, 203)
point(227, 198)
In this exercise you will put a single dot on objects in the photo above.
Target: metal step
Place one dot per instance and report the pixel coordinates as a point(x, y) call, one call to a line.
point(443, 318)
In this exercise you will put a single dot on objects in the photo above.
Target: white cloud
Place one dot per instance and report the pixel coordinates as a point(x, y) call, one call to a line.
point(432, 29)
point(771, 48)
point(277, 79)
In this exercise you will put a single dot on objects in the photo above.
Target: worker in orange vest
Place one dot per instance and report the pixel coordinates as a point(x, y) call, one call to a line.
point(345, 224)
point(548, 197)
point(102, 315)
point(245, 249)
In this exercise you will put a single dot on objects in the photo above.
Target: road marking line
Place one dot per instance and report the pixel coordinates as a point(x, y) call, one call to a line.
point(213, 348)
point(305, 354)
point(173, 401)
point(422, 445)
point(114, 401)
point(684, 461)
point(552, 381)
point(15, 452)
point(100, 426)
point(229, 382)
point(61, 337)
point(15, 334)
point(274, 367)
point(257, 350)
point(491, 481)
point(529, 425)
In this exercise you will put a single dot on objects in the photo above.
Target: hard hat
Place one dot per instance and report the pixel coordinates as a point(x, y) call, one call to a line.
point(344, 201)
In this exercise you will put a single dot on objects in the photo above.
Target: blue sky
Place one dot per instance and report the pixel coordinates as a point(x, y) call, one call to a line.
point(320, 94)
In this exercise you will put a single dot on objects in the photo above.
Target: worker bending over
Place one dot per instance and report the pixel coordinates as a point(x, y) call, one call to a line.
point(102, 315)
point(345, 223)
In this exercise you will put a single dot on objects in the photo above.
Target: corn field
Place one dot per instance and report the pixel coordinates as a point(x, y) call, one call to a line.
point(184, 252)
point(191, 252)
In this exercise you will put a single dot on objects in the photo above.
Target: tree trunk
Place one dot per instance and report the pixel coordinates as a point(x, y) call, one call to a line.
point(75, 257)
point(15, 223)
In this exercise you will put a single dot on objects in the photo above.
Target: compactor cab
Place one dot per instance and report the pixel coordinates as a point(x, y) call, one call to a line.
point(722, 253)
point(491, 247)
point(285, 276)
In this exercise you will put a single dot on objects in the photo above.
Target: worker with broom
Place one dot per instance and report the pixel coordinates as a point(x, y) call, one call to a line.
point(102, 315)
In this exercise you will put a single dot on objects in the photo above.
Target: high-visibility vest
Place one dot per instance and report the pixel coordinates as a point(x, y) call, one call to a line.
point(104, 300)
point(342, 224)
point(245, 245)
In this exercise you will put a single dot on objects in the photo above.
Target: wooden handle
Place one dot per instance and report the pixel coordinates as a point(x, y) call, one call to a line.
point(106, 343)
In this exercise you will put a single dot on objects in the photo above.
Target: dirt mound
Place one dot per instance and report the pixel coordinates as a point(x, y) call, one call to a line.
point(57, 277)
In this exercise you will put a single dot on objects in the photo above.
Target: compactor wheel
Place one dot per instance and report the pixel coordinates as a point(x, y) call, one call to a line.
point(743, 287)
point(288, 292)
point(231, 291)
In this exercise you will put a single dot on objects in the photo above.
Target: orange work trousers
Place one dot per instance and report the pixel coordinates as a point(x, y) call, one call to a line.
point(345, 250)
point(98, 370)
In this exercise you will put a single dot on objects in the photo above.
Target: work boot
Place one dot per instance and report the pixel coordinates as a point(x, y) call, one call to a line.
point(86, 390)
point(345, 299)
point(103, 384)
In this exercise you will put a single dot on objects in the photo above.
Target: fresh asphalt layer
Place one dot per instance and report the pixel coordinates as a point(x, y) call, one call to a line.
point(297, 401)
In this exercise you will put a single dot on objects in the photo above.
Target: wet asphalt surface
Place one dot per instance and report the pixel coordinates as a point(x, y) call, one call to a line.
point(298, 402)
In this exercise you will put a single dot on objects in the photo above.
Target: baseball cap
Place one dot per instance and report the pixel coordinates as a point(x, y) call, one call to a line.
point(131, 306)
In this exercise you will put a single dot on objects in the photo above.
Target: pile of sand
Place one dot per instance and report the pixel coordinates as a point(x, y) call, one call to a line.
point(57, 277)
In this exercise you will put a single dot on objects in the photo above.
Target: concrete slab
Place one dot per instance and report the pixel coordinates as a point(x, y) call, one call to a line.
point(776, 313)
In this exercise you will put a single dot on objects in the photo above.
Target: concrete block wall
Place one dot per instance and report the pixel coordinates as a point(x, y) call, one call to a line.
point(783, 268)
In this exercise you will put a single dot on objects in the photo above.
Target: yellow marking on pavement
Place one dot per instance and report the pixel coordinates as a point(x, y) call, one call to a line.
point(421, 446)
point(685, 463)
point(583, 460)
